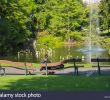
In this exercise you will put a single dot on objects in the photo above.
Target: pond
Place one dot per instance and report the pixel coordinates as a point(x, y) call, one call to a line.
point(63, 52)
point(69, 51)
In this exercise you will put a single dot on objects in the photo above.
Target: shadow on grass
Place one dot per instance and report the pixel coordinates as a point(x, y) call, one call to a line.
point(58, 83)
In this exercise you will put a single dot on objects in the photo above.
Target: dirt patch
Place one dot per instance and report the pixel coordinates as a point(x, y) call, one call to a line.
point(15, 64)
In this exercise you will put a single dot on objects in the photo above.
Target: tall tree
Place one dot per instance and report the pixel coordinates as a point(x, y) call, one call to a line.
point(15, 24)
point(65, 16)
point(21, 20)
point(105, 14)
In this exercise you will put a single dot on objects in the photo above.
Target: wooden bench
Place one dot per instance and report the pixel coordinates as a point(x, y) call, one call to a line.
point(2, 69)
point(60, 65)
point(98, 60)
point(52, 66)
point(74, 61)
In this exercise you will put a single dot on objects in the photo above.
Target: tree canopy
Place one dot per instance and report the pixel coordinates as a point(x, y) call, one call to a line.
point(21, 20)
point(105, 14)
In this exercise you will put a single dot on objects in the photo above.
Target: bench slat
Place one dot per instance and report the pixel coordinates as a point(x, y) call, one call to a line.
point(72, 60)
point(100, 60)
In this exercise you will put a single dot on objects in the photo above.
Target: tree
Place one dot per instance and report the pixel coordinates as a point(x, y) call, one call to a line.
point(65, 16)
point(104, 14)
point(15, 24)
point(21, 20)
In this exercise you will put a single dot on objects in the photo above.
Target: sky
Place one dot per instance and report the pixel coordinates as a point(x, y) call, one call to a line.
point(93, 1)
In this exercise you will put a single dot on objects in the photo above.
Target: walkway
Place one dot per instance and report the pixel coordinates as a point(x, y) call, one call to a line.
point(67, 71)
point(84, 71)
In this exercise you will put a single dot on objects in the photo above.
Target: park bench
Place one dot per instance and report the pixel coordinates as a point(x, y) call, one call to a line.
point(2, 70)
point(74, 61)
point(60, 65)
point(98, 61)
point(52, 66)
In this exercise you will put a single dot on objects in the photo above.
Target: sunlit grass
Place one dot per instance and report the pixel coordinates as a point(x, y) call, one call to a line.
point(66, 65)
point(55, 83)
point(88, 65)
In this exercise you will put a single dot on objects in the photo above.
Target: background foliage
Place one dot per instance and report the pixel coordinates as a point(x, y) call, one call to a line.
point(21, 20)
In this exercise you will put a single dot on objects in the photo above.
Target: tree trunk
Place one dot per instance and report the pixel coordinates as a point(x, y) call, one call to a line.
point(34, 48)
point(31, 45)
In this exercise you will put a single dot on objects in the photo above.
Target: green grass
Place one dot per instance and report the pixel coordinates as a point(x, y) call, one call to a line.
point(36, 64)
point(55, 83)
point(68, 64)
point(88, 65)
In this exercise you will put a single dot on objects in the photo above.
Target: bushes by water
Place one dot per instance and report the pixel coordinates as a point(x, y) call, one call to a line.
point(46, 39)
point(75, 36)
point(50, 41)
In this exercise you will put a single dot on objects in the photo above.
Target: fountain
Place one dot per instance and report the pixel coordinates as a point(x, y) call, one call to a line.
point(90, 49)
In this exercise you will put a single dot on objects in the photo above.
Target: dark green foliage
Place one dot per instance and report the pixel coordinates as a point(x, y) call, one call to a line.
point(105, 23)
point(105, 14)
point(14, 24)
point(21, 20)
point(66, 16)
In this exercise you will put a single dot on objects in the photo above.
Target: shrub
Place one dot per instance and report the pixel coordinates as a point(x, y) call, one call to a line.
point(76, 36)
point(50, 41)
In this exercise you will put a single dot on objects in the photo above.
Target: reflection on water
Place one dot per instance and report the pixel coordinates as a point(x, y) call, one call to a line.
point(73, 51)
point(93, 52)
point(64, 52)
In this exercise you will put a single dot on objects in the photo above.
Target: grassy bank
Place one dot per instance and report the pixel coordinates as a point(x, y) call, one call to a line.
point(55, 83)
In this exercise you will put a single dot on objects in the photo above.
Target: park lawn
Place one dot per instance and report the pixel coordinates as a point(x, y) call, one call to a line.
point(37, 65)
point(55, 83)
point(88, 65)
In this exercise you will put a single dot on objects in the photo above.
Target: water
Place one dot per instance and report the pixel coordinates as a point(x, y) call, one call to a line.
point(92, 50)
point(66, 52)
point(63, 52)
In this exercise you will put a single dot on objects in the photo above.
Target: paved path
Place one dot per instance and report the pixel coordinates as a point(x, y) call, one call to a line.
point(13, 71)
point(85, 71)
point(67, 71)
